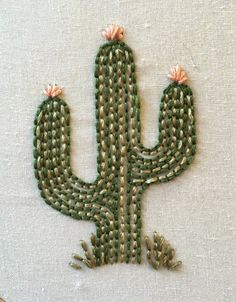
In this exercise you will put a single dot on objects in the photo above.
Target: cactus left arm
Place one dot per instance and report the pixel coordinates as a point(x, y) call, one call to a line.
point(177, 140)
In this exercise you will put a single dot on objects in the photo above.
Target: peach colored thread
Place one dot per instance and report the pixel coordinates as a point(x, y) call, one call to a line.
point(113, 32)
point(52, 90)
point(178, 75)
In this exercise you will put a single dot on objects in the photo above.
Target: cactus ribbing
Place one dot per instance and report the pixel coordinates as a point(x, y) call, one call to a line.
point(125, 168)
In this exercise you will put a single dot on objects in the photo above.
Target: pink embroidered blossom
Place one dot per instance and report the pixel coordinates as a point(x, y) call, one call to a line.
point(178, 75)
point(52, 90)
point(113, 32)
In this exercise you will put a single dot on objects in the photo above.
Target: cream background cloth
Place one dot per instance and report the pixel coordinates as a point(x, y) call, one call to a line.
point(46, 40)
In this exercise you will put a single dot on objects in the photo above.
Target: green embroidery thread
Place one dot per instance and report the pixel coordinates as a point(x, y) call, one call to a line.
point(125, 168)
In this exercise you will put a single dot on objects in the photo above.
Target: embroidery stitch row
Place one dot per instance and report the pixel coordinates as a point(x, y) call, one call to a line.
point(125, 168)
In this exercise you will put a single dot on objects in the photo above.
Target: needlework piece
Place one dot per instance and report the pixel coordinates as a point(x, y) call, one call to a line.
point(125, 168)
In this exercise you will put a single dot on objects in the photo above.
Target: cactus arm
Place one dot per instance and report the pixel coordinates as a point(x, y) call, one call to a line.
point(59, 187)
point(177, 140)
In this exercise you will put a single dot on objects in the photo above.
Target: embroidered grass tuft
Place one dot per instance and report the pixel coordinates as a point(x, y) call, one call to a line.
point(160, 253)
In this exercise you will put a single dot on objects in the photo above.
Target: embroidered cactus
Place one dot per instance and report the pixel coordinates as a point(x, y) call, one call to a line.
point(125, 168)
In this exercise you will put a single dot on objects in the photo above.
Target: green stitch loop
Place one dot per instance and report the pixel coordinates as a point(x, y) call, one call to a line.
point(125, 167)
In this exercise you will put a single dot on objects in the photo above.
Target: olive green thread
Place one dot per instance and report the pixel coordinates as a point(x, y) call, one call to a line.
point(125, 168)
point(160, 253)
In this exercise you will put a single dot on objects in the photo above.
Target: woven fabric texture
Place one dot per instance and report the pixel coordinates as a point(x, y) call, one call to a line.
point(43, 41)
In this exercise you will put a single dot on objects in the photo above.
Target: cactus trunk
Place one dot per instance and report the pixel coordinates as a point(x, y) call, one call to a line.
point(124, 167)
point(114, 107)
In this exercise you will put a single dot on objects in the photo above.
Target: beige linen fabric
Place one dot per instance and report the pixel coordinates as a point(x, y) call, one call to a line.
point(47, 40)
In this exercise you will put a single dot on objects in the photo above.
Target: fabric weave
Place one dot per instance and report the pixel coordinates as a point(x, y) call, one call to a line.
point(46, 40)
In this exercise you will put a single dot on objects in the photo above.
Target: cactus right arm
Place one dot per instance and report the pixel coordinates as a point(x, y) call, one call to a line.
point(59, 187)
point(177, 141)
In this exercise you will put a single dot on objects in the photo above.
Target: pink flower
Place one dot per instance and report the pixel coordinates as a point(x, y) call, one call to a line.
point(52, 90)
point(178, 75)
point(113, 32)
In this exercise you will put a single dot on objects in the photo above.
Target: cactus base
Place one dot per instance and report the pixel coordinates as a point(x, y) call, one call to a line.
point(159, 254)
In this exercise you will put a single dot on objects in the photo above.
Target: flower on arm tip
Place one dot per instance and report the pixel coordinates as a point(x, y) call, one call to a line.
point(113, 33)
point(178, 75)
point(52, 90)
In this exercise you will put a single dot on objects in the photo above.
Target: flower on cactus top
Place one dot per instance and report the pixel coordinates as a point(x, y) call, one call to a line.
point(113, 32)
point(52, 90)
point(178, 75)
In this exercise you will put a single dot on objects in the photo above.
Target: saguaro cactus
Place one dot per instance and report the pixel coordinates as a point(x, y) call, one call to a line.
point(125, 168)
